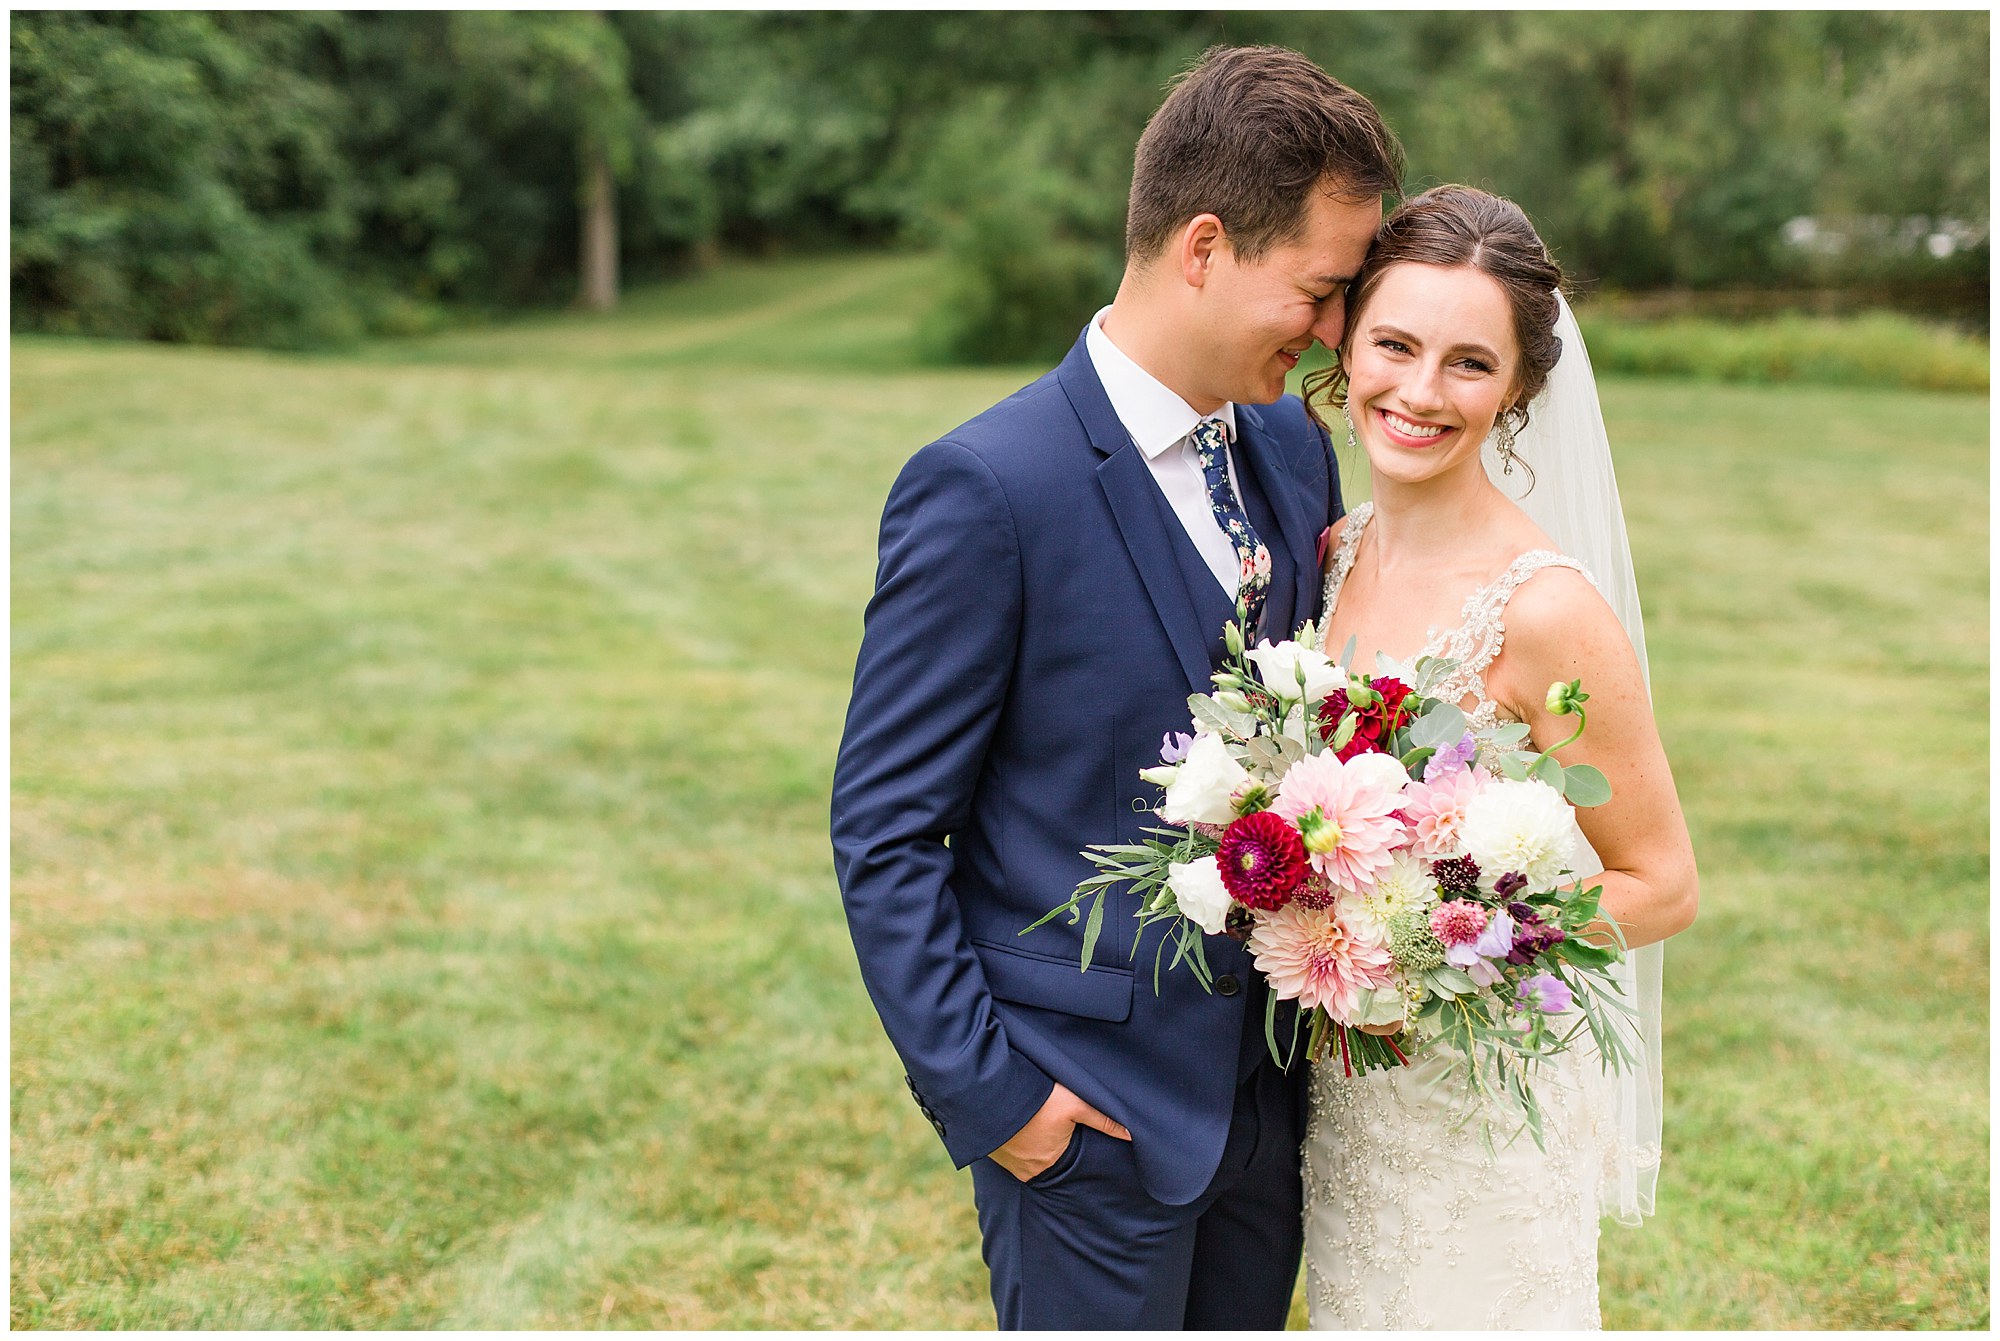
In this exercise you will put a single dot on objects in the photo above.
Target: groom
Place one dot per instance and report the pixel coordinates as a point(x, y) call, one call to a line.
point(1054, 579)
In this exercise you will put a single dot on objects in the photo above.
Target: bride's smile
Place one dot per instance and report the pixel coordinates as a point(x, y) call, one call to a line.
point(1431, 363)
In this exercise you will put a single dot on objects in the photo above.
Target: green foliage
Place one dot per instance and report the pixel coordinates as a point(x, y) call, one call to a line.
point(1023, 189)
point(176, 177)
point(1906, 124)
point(293, 179)
point(421, 909)
point(1880, 349)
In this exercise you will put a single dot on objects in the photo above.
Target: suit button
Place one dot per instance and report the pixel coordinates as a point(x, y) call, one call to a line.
point(1227, 985)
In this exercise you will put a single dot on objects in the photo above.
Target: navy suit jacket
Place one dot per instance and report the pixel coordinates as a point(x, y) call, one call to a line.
point(1030, 640)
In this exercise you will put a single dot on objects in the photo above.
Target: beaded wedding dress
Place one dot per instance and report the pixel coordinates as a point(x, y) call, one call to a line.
point(1411, 1222)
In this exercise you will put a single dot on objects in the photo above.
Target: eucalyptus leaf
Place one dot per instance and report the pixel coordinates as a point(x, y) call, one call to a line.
point(1439, 727)
point(1546, 769)
point(1515, 765)
point(1265, 751)
point(1585, 786)
point(1448, 981)
point(1430, 670)
point(1508, 734)
point(1224, 721)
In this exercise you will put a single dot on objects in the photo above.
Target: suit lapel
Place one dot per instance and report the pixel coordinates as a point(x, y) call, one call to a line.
point(1259, 455)
point(1134, 498)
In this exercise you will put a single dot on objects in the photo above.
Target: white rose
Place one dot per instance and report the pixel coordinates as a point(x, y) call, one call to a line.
point(1520, 825)
point(1280, 666)
point(1381, 772)
point(1200, 893)
point(1201, 790)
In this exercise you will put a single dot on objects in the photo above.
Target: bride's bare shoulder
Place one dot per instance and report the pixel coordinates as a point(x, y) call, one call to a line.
point(1558, 616)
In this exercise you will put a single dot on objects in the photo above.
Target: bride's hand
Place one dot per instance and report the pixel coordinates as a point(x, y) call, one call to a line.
point(1383, 1030)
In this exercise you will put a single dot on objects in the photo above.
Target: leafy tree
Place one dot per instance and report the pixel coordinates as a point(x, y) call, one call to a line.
point(175, 176)
point(295, 179)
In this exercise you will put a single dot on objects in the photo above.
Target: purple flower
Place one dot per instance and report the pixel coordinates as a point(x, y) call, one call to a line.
point(1510, 884)
point(1475, 958)
point(1483, 972)
point(1174, 746)
point(1498, 938)
point(1532, 936)
point(1546, 993)
point(1451, 758)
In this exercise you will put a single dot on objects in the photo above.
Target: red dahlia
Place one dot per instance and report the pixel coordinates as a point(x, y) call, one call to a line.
point(1262, 860)
point(1373, 724)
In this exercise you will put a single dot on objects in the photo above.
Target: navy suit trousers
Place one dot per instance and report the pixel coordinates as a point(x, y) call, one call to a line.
point(1081, 1245)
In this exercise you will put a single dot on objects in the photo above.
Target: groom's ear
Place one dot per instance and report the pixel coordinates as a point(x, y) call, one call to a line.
point(1200, 246)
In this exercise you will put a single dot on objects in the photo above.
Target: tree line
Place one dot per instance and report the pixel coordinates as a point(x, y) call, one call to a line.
point(302, 179)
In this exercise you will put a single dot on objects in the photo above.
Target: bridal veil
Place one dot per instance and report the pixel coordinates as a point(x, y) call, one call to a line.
point(1575, 499)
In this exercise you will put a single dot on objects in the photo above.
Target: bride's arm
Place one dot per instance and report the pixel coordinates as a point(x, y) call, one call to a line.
point(1560, 629)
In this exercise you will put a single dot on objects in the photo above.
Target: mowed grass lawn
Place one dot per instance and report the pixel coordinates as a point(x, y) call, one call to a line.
point(422, 909)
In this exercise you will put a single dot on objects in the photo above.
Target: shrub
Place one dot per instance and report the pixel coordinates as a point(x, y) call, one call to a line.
point(1878, 349)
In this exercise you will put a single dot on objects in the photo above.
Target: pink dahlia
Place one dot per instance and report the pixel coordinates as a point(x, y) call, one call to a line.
point(1435, 809)
point(1347, 814)
point(1313, 956)
point(1458, 922)
point(1262, 860)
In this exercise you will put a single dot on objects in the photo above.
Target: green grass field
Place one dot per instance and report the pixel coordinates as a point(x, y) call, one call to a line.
point(422, 908)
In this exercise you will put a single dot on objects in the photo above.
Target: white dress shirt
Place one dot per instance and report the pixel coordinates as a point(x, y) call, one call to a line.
point(1160, 422)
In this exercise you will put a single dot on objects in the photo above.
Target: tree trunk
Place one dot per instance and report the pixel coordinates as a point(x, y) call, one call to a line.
point(599, 259)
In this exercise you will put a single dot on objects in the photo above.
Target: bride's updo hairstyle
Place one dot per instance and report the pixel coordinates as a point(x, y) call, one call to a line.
point(1463, 226)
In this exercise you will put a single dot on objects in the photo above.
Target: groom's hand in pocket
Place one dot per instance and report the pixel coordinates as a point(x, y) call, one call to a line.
point(1041, 1143)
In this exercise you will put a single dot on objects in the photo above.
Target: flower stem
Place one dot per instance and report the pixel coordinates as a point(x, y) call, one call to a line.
point(1578, 710)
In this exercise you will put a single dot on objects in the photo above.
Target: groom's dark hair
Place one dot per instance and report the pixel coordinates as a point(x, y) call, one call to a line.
point(1246, 134)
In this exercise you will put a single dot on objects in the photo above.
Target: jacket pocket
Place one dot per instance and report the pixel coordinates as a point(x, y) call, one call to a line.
point(1104, 992)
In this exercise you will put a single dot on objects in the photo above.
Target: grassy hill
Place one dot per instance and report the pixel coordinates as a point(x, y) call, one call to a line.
point(422, 910)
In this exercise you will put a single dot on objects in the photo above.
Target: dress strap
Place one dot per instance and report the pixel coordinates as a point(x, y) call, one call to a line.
point(1485, 624)
point(1478, 639)
point(1342, 561)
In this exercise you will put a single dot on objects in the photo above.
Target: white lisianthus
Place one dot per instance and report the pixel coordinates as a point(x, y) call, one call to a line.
point(1202, 789)
point(1521, 826)
point(1294, 727)
point(1200, 893)
point(1280, 665)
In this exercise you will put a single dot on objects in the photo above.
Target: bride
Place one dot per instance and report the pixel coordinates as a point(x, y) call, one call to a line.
point(1510, 558)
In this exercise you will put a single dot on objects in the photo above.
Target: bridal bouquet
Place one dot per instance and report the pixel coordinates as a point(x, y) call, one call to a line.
point(1386, 864)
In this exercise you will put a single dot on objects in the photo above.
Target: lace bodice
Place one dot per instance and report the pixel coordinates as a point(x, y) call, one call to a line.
point(1482, 626)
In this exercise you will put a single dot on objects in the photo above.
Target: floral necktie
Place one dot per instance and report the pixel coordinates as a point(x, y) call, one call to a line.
point(1253, 573)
